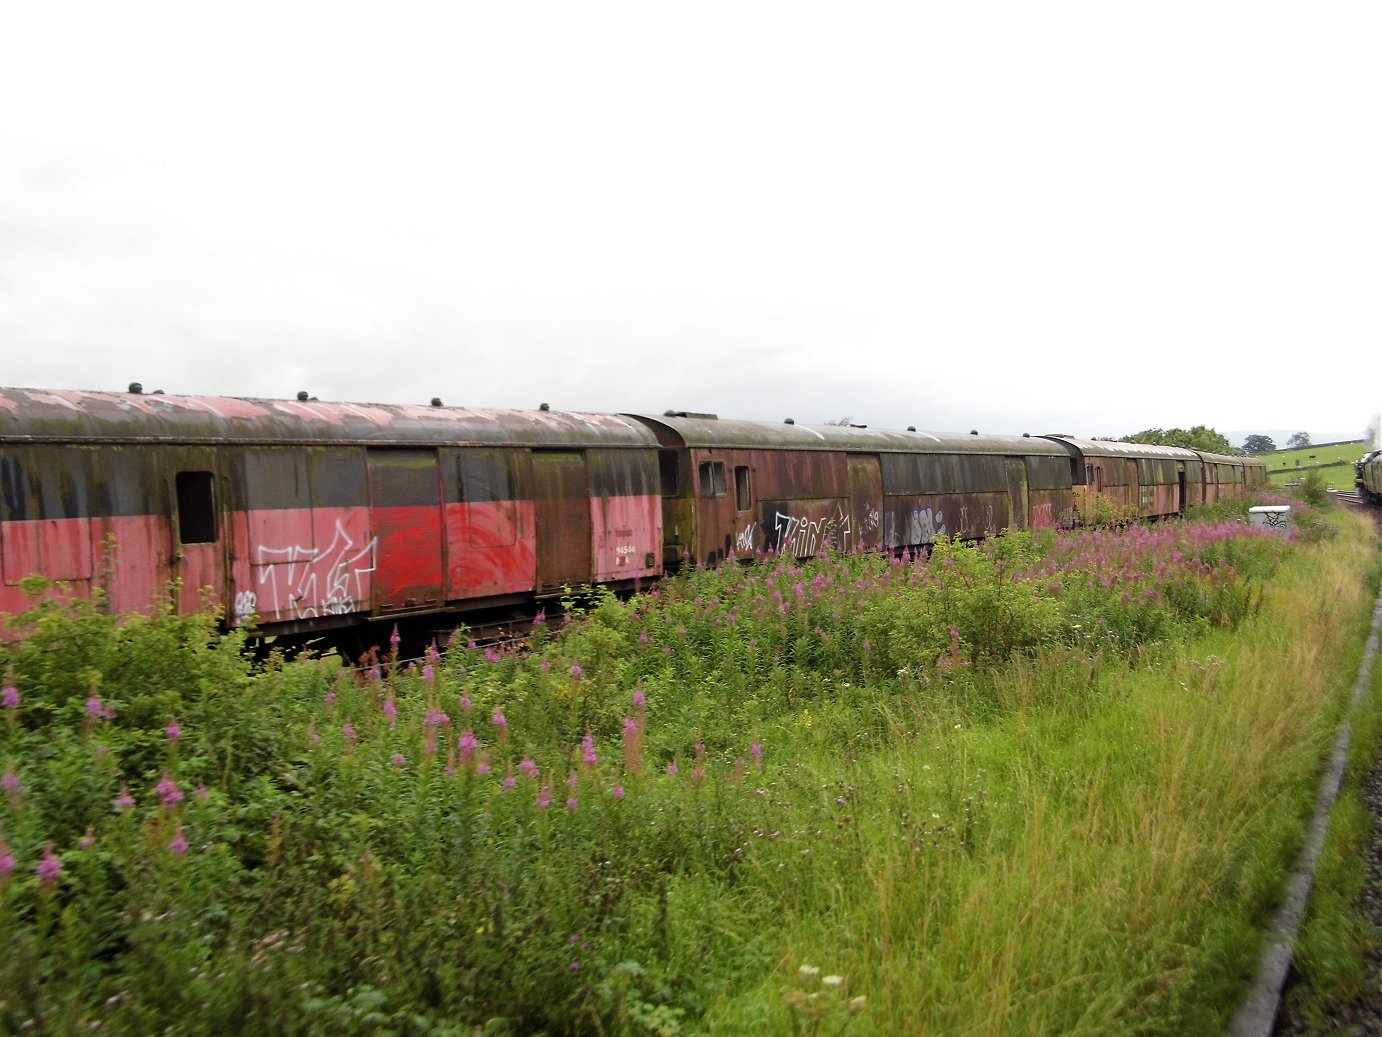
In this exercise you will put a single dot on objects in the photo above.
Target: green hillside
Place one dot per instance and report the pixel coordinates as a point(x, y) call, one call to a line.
point(1334, 461)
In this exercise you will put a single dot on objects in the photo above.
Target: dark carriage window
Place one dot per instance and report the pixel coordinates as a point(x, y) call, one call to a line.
point(196, 507)
point(669, 472)
point(742, 498)
point(712, 478)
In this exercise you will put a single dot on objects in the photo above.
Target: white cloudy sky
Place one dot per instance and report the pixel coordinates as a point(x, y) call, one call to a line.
point(1090, 217)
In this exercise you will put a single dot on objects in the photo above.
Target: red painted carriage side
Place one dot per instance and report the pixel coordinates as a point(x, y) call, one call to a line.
point(490, 549)
point(126, 555)
point(299, 563)
point(627, 535)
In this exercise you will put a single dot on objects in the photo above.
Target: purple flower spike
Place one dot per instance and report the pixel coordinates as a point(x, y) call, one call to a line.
point(11, 783)
point(7, 861)
point(173, 731)
point(168, 791)
point(124, 801)
point(49, 867)
point(576, 671)
point(9, 698)
point(179, 844)
point(395, 639)
point(500, 721)
point(94, 708)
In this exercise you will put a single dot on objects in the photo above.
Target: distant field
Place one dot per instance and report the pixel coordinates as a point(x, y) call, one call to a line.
point(1335, 463)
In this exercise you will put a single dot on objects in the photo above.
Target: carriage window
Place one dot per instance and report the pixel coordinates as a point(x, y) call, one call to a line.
point(712, 478)
point(668, 468)
point(741, 488)
point(196, 508)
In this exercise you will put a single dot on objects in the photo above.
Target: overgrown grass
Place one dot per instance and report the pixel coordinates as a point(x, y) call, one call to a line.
point(1045, 785)
point(1331, 960)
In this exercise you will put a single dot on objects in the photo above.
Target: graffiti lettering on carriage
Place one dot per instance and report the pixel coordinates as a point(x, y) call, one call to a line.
point(745, 538)
point(917, 526)
point(982, 514)
point(803, 536)
point(306, 582)
point(1043, 515)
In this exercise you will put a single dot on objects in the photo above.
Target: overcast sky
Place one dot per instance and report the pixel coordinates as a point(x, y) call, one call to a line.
point(1091, 218)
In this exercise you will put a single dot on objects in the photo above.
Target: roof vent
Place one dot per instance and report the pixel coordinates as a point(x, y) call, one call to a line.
point(911, 428)
point(788, 421)
point(701, 415)
point(436, 401)
point(544, 406)
point(1026, 435)
point(302, 395)
point(974, 432)
point(136, 388)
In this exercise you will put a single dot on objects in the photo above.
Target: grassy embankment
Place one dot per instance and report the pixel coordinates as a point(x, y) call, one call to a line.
point(1334, 464)
point(1043, 786)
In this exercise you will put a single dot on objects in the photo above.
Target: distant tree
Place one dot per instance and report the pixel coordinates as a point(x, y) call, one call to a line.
point(1259, 444)
point(1298, 441)
point(1201, 437)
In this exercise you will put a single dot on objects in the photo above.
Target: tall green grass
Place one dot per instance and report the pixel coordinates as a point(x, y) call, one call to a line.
point(1046, 785)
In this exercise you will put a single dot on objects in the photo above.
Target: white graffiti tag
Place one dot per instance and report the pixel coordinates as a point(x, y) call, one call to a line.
point(743, 541)
point(917, 526)
point(305, 581)
point(803, 537)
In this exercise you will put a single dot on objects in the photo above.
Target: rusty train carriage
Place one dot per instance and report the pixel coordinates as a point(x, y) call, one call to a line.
point(307, 515)
point(735, 489)
point(1144, 481)
point(299, 515)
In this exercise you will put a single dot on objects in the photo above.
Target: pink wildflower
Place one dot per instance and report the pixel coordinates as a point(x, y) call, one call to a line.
point(173, 731)
point(588, 750)
point(510, 781)
point(7, 861)
point(399, 759)
point(576, 671)
point(49, 867)
point(572, 803)
point(88, 839)
point(528, 767)
point(168, 791)
point(179, 844)
point(673, 769)
point(617, 792)
point(11, 784)
point(465, 703)
point(124, 801)
point(544, 797)
point(9, 698)
point(395, 639)
point(94, 708)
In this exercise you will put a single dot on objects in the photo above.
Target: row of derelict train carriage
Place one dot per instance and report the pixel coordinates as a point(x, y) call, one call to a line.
point(297, 515)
